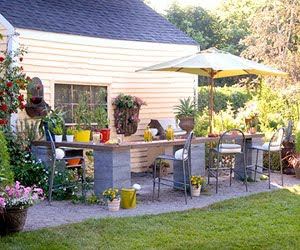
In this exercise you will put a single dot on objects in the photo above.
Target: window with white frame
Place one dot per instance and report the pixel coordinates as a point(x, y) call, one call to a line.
point(67, 98)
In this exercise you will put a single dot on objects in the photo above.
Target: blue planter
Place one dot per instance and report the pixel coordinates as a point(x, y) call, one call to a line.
point(46, 127)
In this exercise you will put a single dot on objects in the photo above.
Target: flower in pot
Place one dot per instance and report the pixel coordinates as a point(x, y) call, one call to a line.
point(185, 113)
point(196, 182)
point(101, 117)
point(113, 199)
point(58, 133)
point(70, 134)
point(14, 202)
point(83, 117)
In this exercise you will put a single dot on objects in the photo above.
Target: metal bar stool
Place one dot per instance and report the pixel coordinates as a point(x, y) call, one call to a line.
point(54, 160)
point(181, 155)
point(274, 145)
point(227, 147)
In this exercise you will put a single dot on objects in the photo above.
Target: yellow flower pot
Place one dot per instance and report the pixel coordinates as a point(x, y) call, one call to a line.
point(82, 135)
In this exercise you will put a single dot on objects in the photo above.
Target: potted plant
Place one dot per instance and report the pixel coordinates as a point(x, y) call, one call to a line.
point(14, 203)
point(83, 117)
point(101, 117)
point(70, 135)
point(58, 133)
point(126, 113)
point(253, 126)
point(113, 199)
point(54, 118)
point(196, 182)
point(185, 113)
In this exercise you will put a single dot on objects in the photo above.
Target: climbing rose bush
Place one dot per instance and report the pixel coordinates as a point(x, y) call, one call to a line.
point(13, 83)
point(20, 196)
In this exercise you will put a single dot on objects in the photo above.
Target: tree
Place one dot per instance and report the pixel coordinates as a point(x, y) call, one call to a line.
point(196, 22)
point(275, 38)
point(235, 19)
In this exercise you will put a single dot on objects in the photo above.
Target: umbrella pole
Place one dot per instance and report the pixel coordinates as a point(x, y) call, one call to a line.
point(211, 105)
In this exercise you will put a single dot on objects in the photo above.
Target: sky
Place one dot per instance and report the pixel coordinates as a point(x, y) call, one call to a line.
point(161, 5)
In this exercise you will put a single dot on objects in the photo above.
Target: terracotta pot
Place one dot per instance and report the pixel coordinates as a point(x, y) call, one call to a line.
point(114, 205)
point(195, 191)
point(12, 220)
point(253, 130)
point(186, 123)
point(73, 162)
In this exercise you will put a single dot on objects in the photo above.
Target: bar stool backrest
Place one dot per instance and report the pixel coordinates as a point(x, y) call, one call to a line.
point(277, 138)
point(52, 146)
point(187, 145)
point(228, 138)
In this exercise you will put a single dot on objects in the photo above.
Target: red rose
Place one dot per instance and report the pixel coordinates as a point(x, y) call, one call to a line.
point(38, 87)
point(9, 84)
point(22, 105)
point(8, 92)
point(22, 86)
point(21, 68)
point(28, 78)
point(4, 107)
point(20, 97)
point(18, 81)
point(11, 111)
point(1, 93)
point(32, 98)
point(21, 59)
point(1, 121)
point(2, 59)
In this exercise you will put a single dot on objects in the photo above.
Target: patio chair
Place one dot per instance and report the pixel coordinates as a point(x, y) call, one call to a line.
point(228, 147)
point(274, 145)
point(182, 156)
point(79, 167)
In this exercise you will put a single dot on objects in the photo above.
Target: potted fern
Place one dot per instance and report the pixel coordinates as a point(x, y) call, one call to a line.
point(70, 134)
point(185, 113)
point(58, 133)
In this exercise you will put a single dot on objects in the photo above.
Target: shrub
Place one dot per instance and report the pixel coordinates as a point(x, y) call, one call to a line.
point(222, 95)
point(5, 170)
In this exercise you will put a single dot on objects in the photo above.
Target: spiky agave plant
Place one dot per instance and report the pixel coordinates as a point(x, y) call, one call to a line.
point(186, 108)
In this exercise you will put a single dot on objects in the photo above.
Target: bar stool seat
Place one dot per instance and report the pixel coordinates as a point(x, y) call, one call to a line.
point(229, 148)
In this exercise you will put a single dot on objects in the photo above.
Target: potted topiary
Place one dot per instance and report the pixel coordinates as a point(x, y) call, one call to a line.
point(113, 199)
point(101, 117)
point(83, 117)
point(58, 133)
point(185, 113)
point(70, 134)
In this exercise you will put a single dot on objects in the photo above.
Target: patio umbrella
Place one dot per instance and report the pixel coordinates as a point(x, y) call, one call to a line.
point(214, 64)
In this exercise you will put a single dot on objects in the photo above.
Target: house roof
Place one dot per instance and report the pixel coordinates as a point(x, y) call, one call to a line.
point(112, 19)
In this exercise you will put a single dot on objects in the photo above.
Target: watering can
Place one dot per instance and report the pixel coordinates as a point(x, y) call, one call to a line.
point(128, 197)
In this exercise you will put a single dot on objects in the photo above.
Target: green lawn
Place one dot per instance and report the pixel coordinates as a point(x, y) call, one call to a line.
point(267, 220)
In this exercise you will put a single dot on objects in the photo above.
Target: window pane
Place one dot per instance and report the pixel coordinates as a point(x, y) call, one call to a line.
point(79, 90)
point(63, 93)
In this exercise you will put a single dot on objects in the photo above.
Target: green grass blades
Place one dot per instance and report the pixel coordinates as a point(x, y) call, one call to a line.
point(268, 220)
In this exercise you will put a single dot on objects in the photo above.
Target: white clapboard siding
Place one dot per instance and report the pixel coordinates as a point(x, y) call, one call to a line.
point(60, 58)
point(3, 42)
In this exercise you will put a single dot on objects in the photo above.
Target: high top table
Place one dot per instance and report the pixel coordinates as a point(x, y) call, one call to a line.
point(112, 161)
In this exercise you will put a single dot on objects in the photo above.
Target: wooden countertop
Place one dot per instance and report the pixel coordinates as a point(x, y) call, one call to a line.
point(140, 144)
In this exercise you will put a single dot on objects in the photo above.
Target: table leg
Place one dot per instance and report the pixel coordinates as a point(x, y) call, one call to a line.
point(250, 159)
point(111, 169)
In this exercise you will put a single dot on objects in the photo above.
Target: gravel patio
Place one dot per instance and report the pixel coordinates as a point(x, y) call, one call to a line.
point(42, 215)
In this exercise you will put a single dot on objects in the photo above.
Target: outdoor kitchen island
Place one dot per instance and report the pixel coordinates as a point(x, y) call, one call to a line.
point(112, 161)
